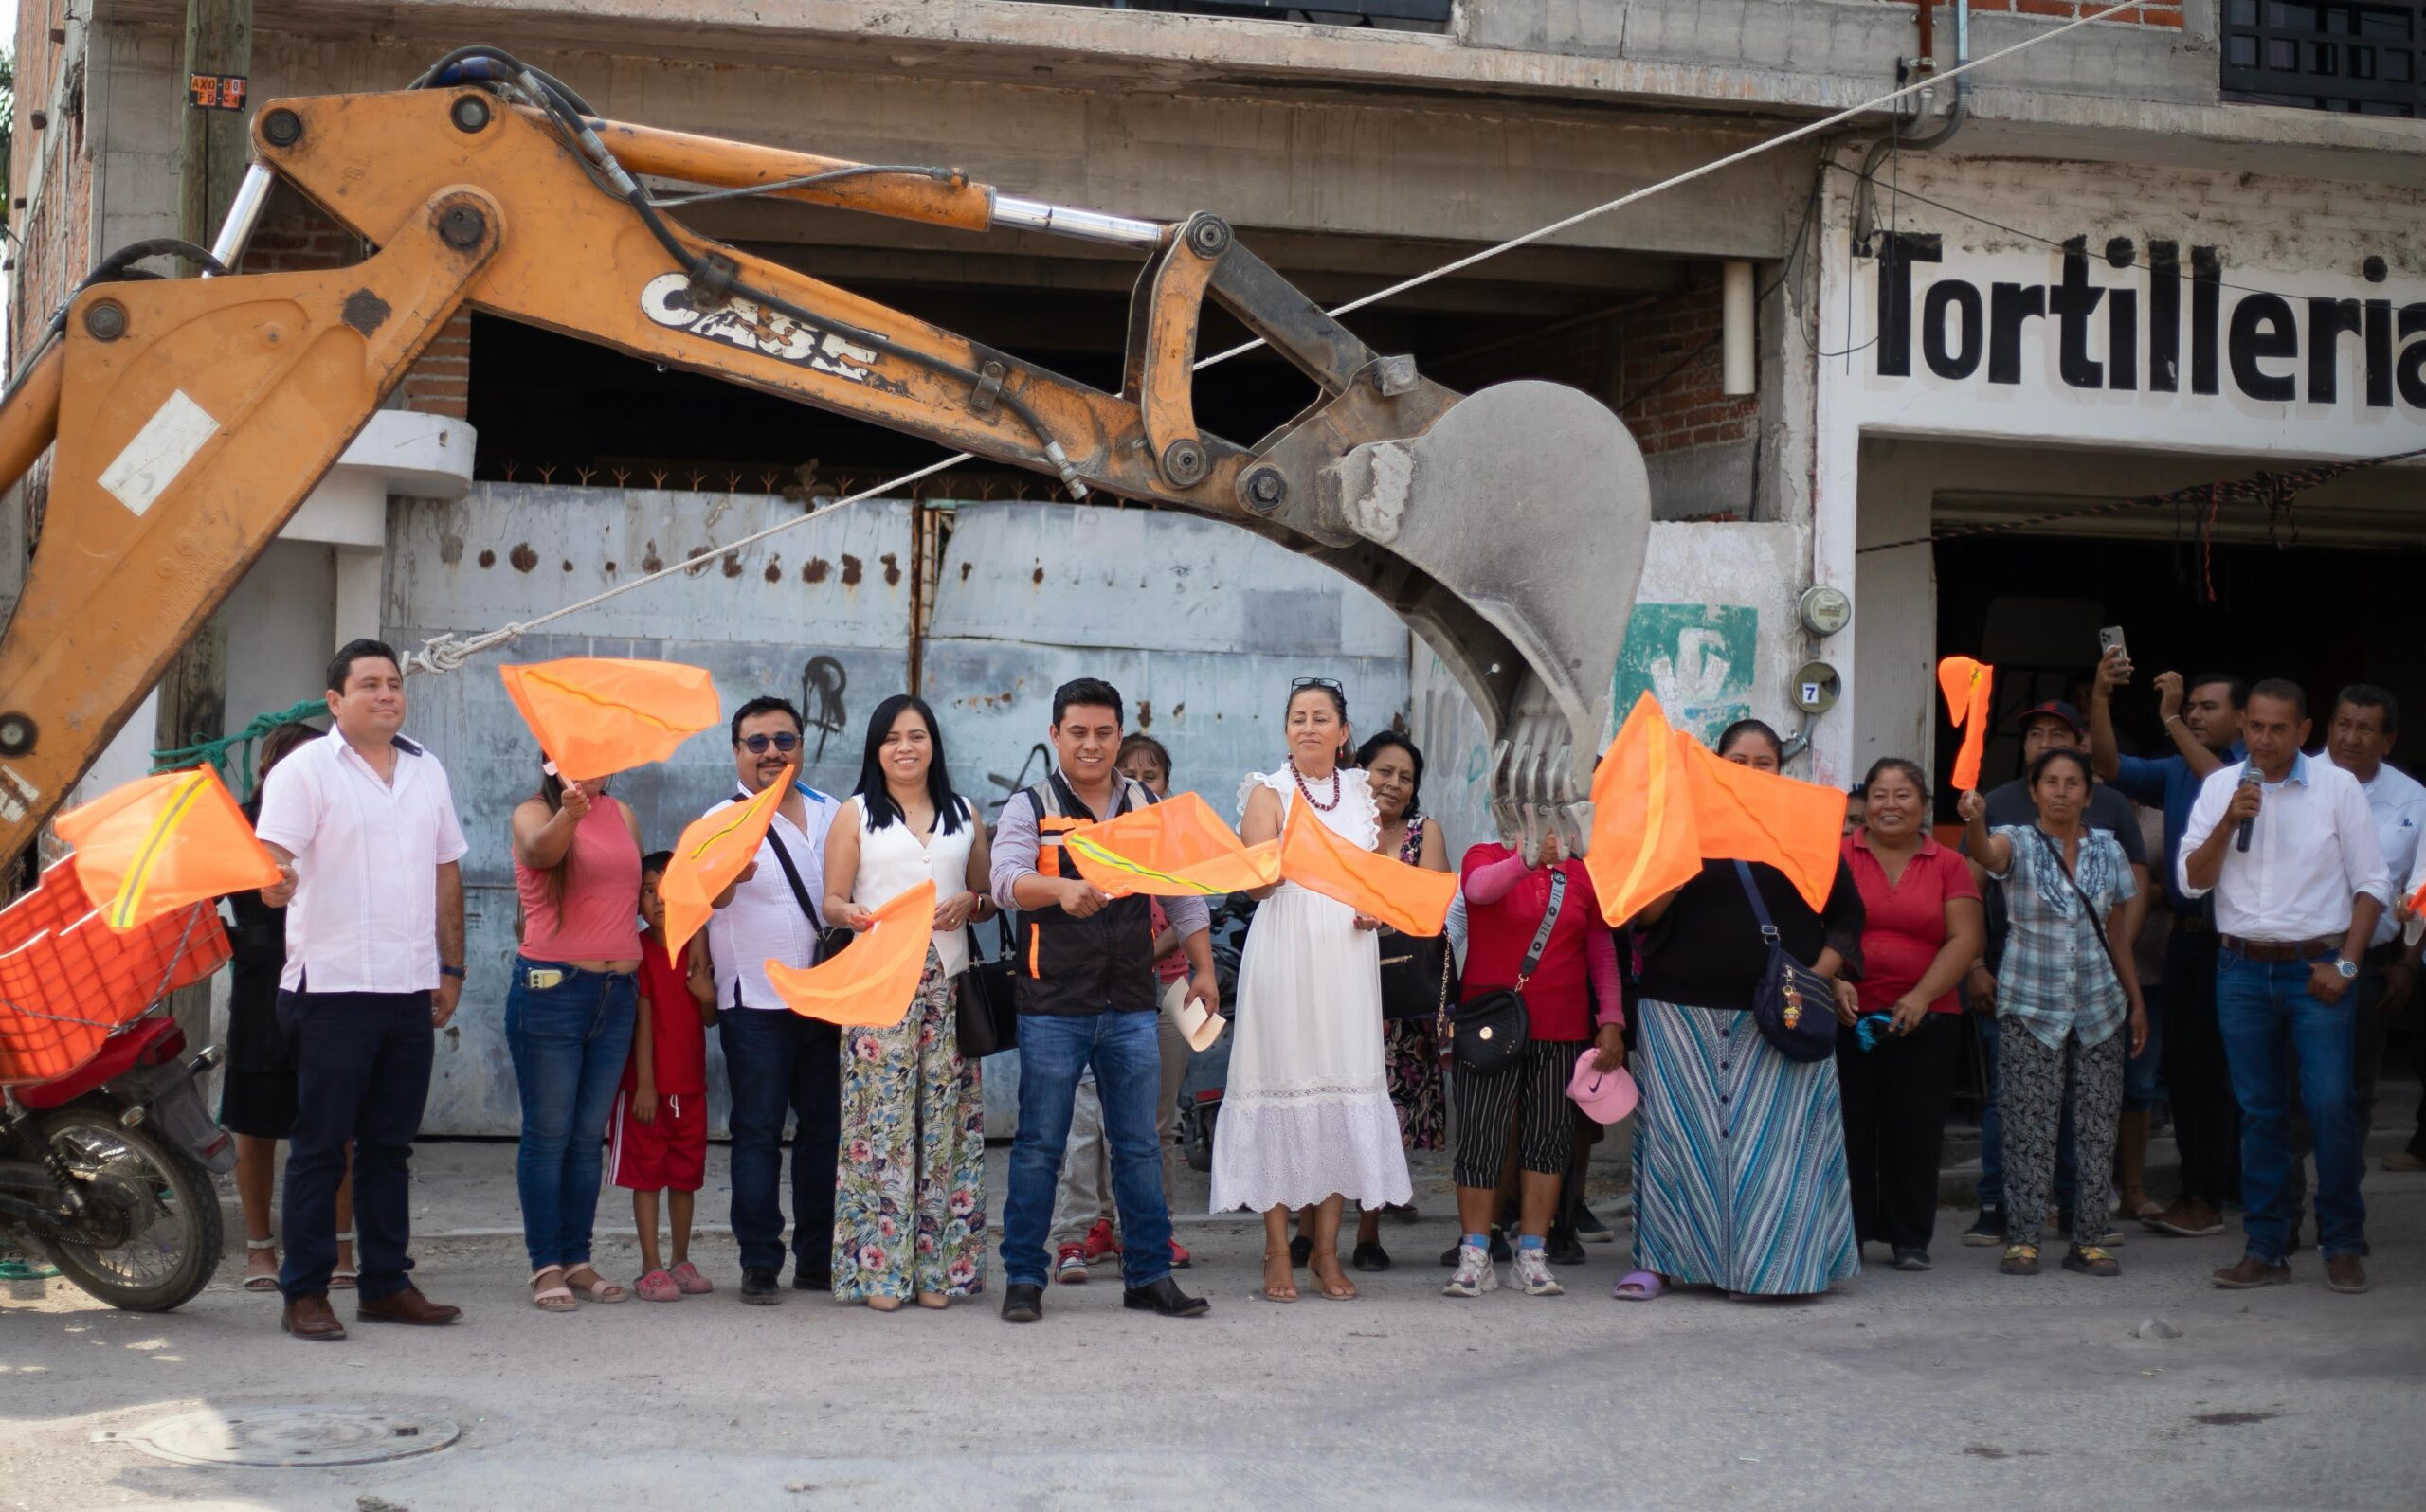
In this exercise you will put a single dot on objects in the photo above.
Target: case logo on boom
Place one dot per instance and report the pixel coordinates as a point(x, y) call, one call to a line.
point(666, 300)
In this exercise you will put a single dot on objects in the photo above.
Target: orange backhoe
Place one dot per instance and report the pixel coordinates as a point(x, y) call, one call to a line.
point(188, 418)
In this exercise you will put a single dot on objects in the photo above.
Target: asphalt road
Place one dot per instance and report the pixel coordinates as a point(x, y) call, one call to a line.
point(1955, 1389)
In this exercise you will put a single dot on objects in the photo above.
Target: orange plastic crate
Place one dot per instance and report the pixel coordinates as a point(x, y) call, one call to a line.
point(68, 981)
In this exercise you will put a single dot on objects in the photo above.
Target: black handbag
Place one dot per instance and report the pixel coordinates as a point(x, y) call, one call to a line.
point(1489, 1033)
point(831, 941)
point(990, 1008)
point(1794, 1006)
point(1418, 974)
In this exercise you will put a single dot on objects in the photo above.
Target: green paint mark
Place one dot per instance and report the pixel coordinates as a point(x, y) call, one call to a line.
point(1696, 658)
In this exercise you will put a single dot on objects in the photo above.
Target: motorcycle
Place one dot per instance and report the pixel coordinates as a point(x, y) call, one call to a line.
point(1209, 1069)
point(108, 1169)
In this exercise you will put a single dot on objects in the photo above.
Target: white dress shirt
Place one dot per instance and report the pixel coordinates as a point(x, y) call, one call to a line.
point(2312, 850)
point(763, 921)
point(2397, 801)
point(366, 853)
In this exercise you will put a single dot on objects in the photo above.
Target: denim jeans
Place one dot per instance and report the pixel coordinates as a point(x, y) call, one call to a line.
point(778, 1062)
point(2267, 1013)
point(570, 1042)
point(361, 1075)
point(2142, 1073)
point(1126, 1053)
point(1992, 1135)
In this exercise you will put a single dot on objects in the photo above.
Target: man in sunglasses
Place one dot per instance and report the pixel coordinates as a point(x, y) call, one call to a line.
point(776, 1061)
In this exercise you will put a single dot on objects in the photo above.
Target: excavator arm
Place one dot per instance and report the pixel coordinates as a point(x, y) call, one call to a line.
point(189, 418)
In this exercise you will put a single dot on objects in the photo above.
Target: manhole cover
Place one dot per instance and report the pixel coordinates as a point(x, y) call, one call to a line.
point(289, 1436)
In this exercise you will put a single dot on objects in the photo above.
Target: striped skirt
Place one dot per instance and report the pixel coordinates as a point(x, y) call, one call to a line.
point(1739, 1162)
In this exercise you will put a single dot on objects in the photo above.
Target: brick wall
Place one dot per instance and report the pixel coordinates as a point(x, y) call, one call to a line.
point(1668, 389)
point(2156, 15)
point(294, 237)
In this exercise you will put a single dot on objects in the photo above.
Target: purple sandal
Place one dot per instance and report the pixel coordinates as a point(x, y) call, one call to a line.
point(1646, 1286)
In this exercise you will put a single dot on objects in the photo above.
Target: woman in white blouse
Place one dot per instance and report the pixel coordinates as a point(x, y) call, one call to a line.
point(910, 1192)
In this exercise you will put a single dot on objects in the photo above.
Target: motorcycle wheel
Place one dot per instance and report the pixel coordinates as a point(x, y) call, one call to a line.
point(155, 1251)
point(1200, 1145)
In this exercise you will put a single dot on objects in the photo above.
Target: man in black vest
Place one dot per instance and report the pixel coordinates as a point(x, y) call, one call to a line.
point(1087, 996)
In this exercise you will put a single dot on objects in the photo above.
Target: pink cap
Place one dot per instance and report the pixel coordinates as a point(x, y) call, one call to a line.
point(1607, 1096)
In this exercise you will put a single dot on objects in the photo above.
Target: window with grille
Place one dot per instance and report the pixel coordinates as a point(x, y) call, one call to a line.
point(2360, 59)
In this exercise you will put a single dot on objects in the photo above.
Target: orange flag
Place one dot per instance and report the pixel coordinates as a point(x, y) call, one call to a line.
point(1968, 686)
point(1175, 849)
point(159, 843)
point(1644, 839)
point(871, 985)
point(1744, 814)
point(1407, 898)
point(714, 848)
point(598, 715)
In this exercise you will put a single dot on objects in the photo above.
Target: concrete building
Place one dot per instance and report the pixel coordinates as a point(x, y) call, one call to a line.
point(1350, 146)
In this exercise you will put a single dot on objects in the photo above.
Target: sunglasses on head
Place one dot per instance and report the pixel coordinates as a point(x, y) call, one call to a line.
point(1300, 684)
point(756, 744)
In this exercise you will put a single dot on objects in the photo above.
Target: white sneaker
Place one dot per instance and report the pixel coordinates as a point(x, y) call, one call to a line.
point(1476, 1273)
point(1534, 1274)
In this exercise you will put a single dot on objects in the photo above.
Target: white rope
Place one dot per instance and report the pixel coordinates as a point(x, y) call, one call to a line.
point(446, 653)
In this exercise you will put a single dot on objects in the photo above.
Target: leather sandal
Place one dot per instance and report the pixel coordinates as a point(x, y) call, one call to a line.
point(266, 1281)
point(555, 1296)
point(1287, 1290)
point(1334, 1282)
point(597, 1289)
point(344, 1277)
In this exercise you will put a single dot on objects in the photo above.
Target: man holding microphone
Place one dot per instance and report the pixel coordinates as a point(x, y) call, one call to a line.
point(2288, 849)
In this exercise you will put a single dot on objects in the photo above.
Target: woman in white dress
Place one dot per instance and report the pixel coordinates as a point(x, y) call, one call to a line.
point(1306, 1120)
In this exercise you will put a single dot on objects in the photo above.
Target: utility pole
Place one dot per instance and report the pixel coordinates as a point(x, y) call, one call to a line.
point(214, 105)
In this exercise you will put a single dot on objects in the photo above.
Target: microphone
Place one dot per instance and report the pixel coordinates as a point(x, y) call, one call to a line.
point(2250, 777)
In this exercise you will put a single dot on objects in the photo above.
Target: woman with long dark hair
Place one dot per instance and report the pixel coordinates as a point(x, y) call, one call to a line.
point(909, 1189)
point(1739, 1160)
point(570, 1013)
point(1305, 1119)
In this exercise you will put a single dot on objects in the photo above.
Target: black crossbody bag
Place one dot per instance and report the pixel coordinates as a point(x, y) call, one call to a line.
point(990, 1005)
point(830, 942)
point(1488, 1034)
point(1794, 1006)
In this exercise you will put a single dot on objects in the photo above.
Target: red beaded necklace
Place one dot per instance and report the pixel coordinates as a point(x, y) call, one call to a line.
point(1319, 805)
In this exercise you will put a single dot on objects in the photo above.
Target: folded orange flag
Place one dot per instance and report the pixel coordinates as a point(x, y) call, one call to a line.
point(714, 848)
point(1407, 898)
point(1644, 840)
point(599, 716)
point(1747, 815)
point(1968, 686)
point(159, 843)
point(871, 985)
point(1176, 849)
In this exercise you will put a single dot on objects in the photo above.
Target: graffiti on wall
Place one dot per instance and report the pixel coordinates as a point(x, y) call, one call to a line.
point(1696, 658)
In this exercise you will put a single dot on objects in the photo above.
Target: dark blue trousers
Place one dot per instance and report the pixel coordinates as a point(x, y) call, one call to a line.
point(361, 1076)
point(777, 1063)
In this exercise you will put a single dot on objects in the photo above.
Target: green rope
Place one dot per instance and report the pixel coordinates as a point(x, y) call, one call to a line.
point(238, 776)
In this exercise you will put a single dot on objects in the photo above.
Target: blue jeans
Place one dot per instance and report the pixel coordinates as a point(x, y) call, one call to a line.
point(2141, 1074)
point(569, 1043)
point(1992, 1135)
point(361, 1075)
point(2267, 1015)
point(776, 1063)
point(1125, 1049)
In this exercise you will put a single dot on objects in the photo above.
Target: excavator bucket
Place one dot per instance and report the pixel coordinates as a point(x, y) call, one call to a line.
point(1526, 506)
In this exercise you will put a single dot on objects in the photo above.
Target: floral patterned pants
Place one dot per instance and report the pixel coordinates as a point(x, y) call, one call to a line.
point(2029, 1098)
point(910, 1187)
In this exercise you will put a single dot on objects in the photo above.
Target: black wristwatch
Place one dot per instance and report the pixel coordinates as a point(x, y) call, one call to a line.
point(456, 972)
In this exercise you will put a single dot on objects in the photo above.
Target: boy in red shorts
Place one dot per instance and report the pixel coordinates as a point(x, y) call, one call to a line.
point(659, 1130)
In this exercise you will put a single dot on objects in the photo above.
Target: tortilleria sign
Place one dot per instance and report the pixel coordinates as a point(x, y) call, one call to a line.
point(2149, 343)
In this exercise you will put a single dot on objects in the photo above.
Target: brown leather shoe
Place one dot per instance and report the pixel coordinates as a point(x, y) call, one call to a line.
point(2250, 1273)
point(312, 1318)
point(406, 1307)
point(2189, 1220)
point(2342, 1272)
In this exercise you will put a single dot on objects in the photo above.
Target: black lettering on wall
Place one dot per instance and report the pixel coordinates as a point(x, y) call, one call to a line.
point(1897, 255)
point(2207, 305)
point(2010, 305)
point(2164, 318)
point(2380, 353)
point(2123, 338)
point(2071, 302)
point(2264, 328)
point(2329, 321)
point(1962, 359)
point(2412, 371)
